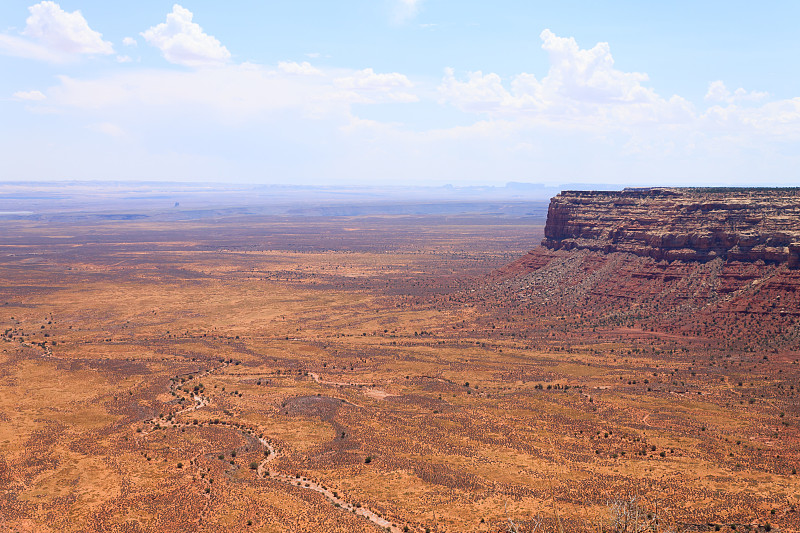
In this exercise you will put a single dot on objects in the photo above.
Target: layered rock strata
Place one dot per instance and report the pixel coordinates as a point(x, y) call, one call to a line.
point(707, 263)
point(688, 224)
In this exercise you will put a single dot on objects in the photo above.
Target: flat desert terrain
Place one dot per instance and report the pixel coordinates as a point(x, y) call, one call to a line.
point(357, 373)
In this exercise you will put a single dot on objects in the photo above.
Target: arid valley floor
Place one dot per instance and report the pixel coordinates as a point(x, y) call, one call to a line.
point(343, 374)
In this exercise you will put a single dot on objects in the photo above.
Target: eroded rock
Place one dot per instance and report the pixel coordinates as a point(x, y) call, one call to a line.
point(690, 224)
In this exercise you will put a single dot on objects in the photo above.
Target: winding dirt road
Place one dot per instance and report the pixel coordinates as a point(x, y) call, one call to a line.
point(263, 471)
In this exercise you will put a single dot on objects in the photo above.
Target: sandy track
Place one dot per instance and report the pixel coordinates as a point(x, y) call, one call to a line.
point(263, 471)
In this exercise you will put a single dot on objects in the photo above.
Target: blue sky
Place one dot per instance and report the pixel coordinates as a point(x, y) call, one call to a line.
point(401, 91)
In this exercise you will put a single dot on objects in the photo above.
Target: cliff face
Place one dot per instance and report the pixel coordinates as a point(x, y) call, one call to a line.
point(718, 264)
point(745, 225)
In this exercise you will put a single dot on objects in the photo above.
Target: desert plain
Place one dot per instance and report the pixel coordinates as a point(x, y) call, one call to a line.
point(376, 372)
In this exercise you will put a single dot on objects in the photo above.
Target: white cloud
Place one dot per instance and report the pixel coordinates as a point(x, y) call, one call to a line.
point(231, 93)
point(779, 120)
point(405, 10)
point(593, 107)
point(65, 32)
point(304, 68)
point(478, 93)
point(582, 87)
point(34, 96)
point(589, 75)
point(129, 41)
point(54, 35)
point(583, 90)
point(184, 42)
point(256, 121)
point(124, 59)
point(718, 92)
point(369, 86)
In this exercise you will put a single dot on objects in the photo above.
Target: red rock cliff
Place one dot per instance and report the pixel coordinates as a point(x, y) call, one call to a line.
point(687, 224)
point(713, 264)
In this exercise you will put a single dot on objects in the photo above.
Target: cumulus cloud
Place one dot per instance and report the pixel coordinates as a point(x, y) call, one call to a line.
point(589, 75)
point(478, 92)
point(129, 41)
point(370, 86)
point(304, 68)
point(718, 92)
point(52, 34)
point(581, 86)
point(584, 93)
point(65, 32)
point(29, 95)
point(184, 42)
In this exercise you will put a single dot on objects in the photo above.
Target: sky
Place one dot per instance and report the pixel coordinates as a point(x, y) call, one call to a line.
point(394, 92)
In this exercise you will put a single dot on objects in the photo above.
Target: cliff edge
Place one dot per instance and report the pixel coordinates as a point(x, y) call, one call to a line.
point(690, 224)
point(707, 263)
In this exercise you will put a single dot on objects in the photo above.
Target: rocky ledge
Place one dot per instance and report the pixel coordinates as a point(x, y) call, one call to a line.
point(685, 224)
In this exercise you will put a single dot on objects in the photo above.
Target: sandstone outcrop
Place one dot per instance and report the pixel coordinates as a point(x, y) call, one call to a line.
point(714, 263)
point(690, 224)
